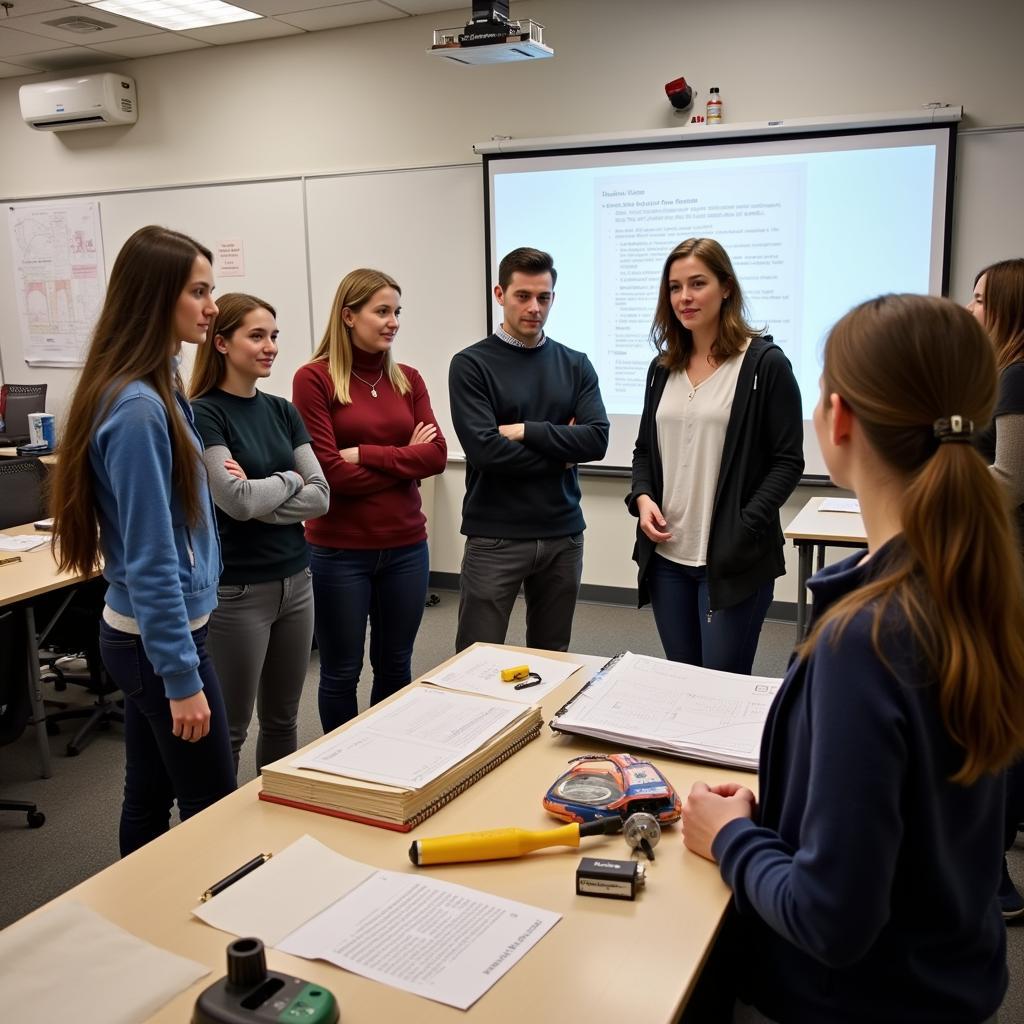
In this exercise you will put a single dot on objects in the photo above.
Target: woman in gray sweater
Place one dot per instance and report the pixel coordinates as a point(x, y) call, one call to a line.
point(265, 481)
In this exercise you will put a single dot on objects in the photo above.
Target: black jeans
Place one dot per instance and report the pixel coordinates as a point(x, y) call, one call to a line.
point(549, 570)
point(159, 767)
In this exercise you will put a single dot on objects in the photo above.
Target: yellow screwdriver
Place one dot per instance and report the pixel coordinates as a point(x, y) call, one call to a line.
point(500, 843)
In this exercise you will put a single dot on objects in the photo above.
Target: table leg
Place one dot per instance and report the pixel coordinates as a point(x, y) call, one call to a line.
point(804, 551)
point(35, 694)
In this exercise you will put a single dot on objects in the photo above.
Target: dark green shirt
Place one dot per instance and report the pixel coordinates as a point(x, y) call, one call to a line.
point(262, 434)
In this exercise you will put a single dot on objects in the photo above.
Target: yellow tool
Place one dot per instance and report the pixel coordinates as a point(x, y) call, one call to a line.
point(500, 843)
point(513, 675)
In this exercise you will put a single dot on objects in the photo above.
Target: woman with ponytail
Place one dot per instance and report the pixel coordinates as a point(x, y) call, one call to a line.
point(130, 486)
point(998, 305)
point(866, 875)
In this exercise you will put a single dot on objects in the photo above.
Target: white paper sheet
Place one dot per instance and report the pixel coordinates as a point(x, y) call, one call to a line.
point(68, 963)
point(479, 671)
point(682, 709)
point(442, 941)
point(839, 505)
point(22, 542)
point(283, 893)
point(412, 740)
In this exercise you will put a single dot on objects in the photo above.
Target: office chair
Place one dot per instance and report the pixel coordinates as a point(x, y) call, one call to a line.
point(14, 703)
point(17, 401)
point(68, 620)
point(22, 483)
point(71, 634)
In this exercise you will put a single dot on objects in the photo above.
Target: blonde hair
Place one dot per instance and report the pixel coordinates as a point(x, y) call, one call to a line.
point(355, 290)
point(901, 362)
point(210, 367)
point(671, 338)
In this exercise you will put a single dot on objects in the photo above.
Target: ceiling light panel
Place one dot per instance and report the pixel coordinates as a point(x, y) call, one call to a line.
point(176, 15)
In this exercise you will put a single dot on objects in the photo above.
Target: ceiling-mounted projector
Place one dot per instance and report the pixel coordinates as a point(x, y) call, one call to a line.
point(489, 37)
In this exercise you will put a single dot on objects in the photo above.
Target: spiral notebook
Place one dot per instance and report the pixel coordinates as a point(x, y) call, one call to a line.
point(348, 774)
point(684, 710)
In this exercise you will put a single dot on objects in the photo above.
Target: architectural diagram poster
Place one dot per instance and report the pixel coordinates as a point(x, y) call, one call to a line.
point(59, 279)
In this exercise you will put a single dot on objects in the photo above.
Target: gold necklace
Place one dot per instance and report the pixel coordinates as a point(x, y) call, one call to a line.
point(373, 386)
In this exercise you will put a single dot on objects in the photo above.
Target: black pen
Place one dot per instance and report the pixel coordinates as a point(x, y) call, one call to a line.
point(531, 680)
point(219, 887)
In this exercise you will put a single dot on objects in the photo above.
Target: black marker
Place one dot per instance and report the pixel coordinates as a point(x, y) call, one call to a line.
point(219, 887)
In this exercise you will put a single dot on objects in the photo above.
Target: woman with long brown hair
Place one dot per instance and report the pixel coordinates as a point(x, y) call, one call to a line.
point(718, 452)
point(265, 481)
point(866, 875)
point(375, 435)
point(998, 305)
point(130, 490)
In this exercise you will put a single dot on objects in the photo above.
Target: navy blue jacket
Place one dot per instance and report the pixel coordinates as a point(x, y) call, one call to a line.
point(867, 888)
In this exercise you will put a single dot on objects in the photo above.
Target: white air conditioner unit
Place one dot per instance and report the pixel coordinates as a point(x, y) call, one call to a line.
point(90, 101)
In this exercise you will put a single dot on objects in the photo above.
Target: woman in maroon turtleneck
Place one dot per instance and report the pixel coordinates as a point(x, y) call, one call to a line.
point(376, 437)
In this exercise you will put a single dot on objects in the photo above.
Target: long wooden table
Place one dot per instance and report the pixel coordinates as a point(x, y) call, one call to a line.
point(605, 960)
point(813, 530)
point(35, 574)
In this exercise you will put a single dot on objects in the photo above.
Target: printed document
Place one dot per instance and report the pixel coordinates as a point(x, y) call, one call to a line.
point(839, 505)
point(412, 740)
point(677, 709)
point(435, 939)
point(479, 671)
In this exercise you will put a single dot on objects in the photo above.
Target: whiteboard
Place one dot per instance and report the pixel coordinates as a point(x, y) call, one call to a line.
point(424, 227)
point(267, 217)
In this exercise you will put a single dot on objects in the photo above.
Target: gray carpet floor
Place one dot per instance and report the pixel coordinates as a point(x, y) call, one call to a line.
point(82, 799)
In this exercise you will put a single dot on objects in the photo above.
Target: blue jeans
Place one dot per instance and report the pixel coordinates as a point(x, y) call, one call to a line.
point(725, 639)
point(159, 767)
point(388, 586)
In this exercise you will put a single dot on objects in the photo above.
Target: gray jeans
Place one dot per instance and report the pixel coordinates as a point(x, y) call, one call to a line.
point(493, 569)
point(260, 637)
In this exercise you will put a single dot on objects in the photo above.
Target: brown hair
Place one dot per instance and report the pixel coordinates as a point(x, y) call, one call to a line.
point(132, 341)
point(671, 338)
point(526, 261)
point(901, 362)
point(356, 289)
point(1004, 309)
point(210, 366)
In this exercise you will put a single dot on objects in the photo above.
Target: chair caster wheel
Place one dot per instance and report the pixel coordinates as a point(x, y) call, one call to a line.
point(72, 751)
point(36, 819)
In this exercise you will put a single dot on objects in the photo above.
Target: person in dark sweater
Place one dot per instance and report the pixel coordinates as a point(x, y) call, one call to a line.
point(718, 452)
point(527, 411)
point(376, 437)
point(998, 305)
point(866, 874)
point(265, 480)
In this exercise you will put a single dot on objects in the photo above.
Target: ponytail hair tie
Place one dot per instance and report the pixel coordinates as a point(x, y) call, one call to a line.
point(957, 429)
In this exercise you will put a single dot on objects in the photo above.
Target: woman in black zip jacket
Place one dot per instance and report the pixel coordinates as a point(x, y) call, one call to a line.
point(719, 450)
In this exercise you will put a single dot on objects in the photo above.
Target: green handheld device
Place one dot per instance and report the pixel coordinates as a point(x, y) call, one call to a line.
point(251, 994)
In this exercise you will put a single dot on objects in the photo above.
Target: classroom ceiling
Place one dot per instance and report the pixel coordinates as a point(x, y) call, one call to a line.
point(30, 42)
